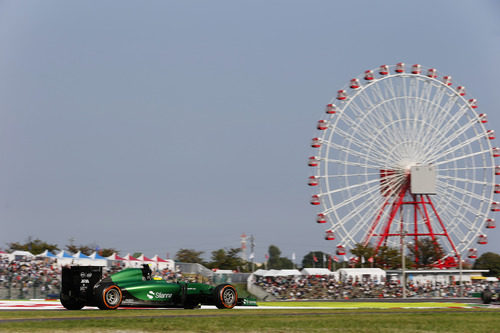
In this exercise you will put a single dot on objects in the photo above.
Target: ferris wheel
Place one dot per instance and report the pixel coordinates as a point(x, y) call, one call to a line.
point(405, 154)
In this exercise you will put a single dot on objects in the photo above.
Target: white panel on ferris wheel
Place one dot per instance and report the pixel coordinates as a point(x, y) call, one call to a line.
point(423, 179)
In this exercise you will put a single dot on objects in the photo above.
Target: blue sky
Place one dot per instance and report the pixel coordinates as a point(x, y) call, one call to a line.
point(159, 125)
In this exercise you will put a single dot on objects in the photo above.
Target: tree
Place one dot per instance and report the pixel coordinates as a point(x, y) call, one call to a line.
point(363, 253)
point(321, 260)
point(274, 257)
point(227, 259)
point(35, 246)
point(276, 261)
point(85, 249)
point(489, 260)
point(88, 249)
point(190, 256)
point(106, 252)
point(389, 258)
point(425, 252)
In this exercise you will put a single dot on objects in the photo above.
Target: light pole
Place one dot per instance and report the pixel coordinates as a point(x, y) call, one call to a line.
point(461, 292)
point(403, 263)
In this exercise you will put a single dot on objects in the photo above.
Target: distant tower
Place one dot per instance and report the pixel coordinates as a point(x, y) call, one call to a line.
point(243, 238)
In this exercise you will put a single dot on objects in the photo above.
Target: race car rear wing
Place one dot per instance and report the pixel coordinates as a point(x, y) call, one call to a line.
point(78, 282)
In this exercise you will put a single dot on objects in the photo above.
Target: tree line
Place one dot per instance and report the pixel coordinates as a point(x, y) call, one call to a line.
point(420, 255)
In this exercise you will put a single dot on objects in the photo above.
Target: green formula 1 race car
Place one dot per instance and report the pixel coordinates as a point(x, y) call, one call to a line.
point(135, 287)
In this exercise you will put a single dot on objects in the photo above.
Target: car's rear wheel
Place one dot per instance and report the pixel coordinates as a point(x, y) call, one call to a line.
point(70, 303)
point(109, 297)
point(225, 296)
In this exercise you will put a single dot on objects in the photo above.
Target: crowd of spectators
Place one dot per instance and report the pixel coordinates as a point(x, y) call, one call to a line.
point(328, 287)
point(41, 278)
point(35, 278)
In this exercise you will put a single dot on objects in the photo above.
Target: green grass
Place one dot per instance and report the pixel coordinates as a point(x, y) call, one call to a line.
point(255, 320)
point(369, 305)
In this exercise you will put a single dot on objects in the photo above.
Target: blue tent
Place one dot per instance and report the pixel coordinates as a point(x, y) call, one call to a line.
point(96, 255)
point(80, 255)
point(64, 254)
point(48, 254)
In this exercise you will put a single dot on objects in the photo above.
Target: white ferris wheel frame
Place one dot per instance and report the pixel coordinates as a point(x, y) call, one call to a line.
point(392, 122)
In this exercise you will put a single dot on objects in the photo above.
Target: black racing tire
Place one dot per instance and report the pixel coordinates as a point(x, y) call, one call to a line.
point(486, 296)
point(70, 303)
point(109, 297)
point(226, 296)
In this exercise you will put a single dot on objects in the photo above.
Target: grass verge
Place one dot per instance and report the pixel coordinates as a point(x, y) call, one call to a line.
point(255, 320)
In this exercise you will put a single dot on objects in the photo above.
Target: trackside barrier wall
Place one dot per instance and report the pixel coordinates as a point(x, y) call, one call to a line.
point(260, 293)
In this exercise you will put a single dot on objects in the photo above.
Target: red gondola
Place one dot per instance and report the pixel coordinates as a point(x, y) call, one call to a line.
point(355, 84)
point(497, 187)
point(316, 143)
point(472, 253)
point(313, 181)
point(313, 161)
point(461, 90)
point(384, 70)
point(321, 218)
point(341, 95)
point(322, 125)
point(497, 170)
point(495, 151)
point(495, 206)
point(315, 200)
point(416, 69)
point(329, 235)
point(369, 75)
point(482, 239)
point(447, 80)
point(340, 250)
point(490, 134)
point(331, 108)
point(400, 67)
point(473, 103)
point(483, 118)
point(432, 72)
point(491, 224)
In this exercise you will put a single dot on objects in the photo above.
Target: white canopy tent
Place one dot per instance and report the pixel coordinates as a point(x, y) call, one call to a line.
point(289, 272)
point(377, 275)
point(164, 263)
point(317, 271)
point(19, 255)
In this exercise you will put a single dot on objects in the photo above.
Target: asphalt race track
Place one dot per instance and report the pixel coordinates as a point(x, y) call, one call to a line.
point(417, 304)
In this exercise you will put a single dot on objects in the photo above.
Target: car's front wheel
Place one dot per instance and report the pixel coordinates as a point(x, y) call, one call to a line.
point(226, 296)
point(486, 296)
point(109, 297)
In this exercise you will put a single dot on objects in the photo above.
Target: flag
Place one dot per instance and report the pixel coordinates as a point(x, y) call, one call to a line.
point(251, 256)
point(293, 256)
point(267, 256)
point(370, 259)
point(345, 258)
point(324, 257)
point(362, 260)
point(314, 258)
point(335, 259)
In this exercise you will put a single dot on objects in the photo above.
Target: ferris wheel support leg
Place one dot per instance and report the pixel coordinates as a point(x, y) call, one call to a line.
point(442, 226)
point(395, 207)
point(427, 219)
point(369, 235)
point(415, 230)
